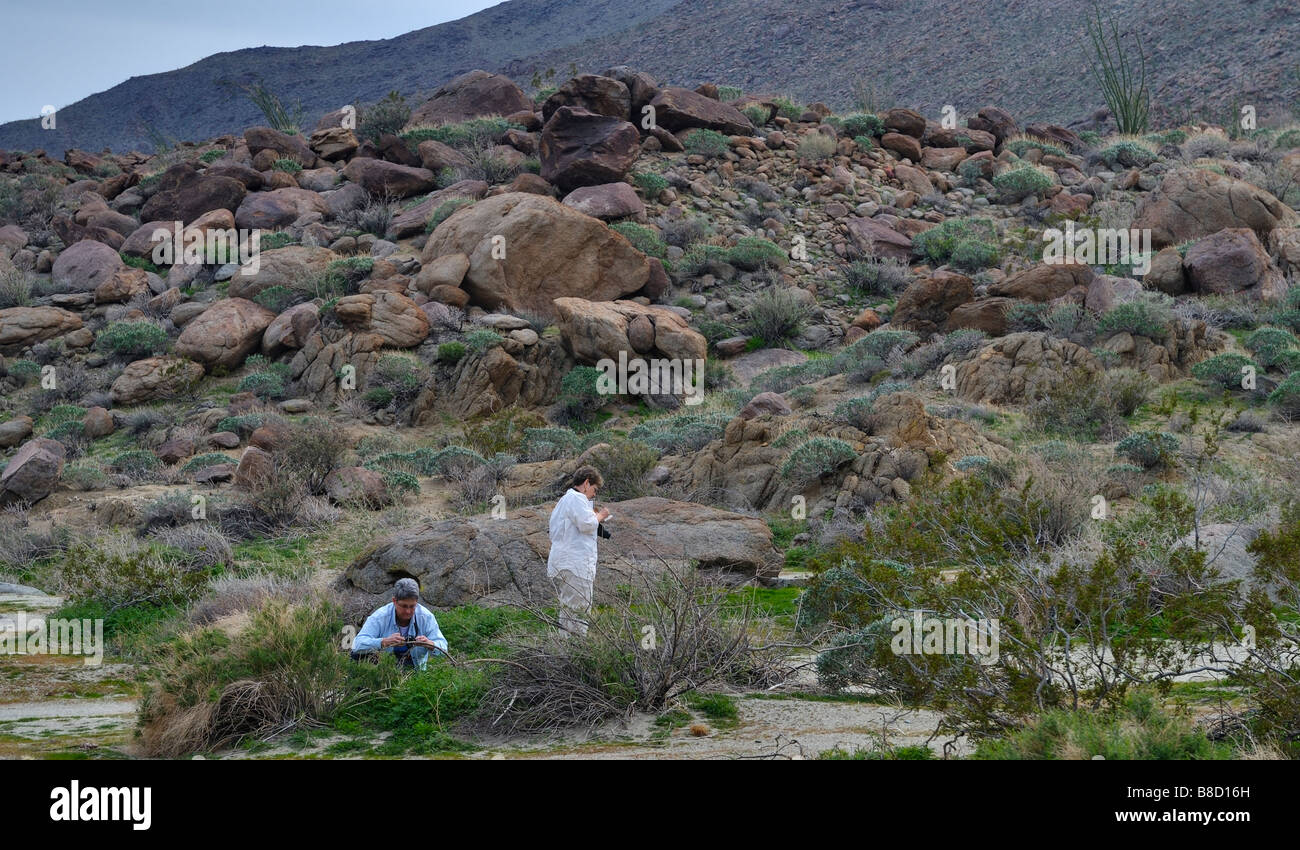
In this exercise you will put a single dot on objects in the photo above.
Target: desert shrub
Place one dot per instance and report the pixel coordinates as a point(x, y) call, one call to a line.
point(855, 412)
point(784, 378)
point(880, 344)
point(815, 147)
point(243, 425)
point(756, 113)
point(580, 397)
point(25, 371)
point(816, 458)
point(1128, 154)
point(444, 211)
point(198, 462)
point(284, 670)
point(401, 375)
point(1207, 145)
point(643, 238)
point(475, 132)
point(650, 183)
point(137, 464)
point(451, 352)
point(117, 572)
point(373, 217)
point(860, 371)
point(264, 385)
point(682, 433)
point(480, 340)
point(959, 343)
point(881, 277)
point(972, 241)
point(1149, 318)
point(388, 115)
point(277, 298)
point(863, 124)
point(553, 682)
point(706, 143)
point(1067, 320)
point(15, 286)
point(1267, 343)
point(1223, 369)
point(1148, 449)
point(1022, 182)
point(1020, 145)
point(290, 166)
point(624, 464)
point(865, 657)
point(312, 450)
point(549, 444)
point(503, 432)
point(201, 544)
point(774, 315)
point(1088, 406)
point(132, 339)
point(753, 253)
point(1286, 397)
point(686, 231)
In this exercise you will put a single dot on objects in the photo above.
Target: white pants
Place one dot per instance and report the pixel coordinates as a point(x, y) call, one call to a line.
point(574, 593)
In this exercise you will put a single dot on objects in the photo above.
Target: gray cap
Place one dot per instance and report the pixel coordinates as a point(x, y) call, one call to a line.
point(406, 588)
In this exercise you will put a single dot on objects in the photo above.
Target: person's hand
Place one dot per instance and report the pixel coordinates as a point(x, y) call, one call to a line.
point(392, 640)
point(424, 641)
point(602, 514)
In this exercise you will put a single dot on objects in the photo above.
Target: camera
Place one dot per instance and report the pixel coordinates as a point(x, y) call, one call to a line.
point(602, 531)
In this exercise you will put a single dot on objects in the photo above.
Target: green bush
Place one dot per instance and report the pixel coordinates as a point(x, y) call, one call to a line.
point(971, 239)
point(451, 352)
point(624, 464)
point(863, 124)
point(650, 183)
point(816, 147)
point(1286, 397)
point(774, 315)
point(480, 340)
point(753, 253)
point(855, 412)
point(643, 238)
point(243, 425)
point(136, 463)
point(1140, 318)
point(264, 385)
point(1021, 182)
point(681, 433)
point(198, 462)
point(877, 277)
point(25, 370)
point(550, 444)
point(580, 397)
point(277, 298)
point(444, 211)
point(756, 113)
point(815, 458)
point(378, 397)
point(292, 166)
point(476, 132)
point(1022, 145)
point(879, 344)
point(706, 143)
point(1268, 343)
point(132, 339)
point(212, 155)
point(1223, 369)
point(1148, 449)
point(402, 375)
point(1129, 155)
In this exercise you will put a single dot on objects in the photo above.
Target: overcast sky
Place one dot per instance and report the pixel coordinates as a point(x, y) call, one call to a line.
point(59, 51)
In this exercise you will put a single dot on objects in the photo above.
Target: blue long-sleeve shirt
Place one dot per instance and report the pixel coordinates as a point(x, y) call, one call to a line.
point(383, 623)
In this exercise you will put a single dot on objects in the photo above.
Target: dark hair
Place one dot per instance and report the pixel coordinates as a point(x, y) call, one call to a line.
point(586, 473)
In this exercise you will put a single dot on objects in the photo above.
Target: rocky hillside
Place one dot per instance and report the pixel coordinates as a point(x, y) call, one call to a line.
point(1027, 55)
point(902, 387)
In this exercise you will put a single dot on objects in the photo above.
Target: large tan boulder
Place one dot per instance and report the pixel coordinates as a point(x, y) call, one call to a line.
point(1019, 366)
point(154, 378)
point(678, 109)
point(24, 326)
point(291, 328)
point(225, 333)
point(84, 265)
point(381, 178)
point(1192, 203)
point(288, 266)
point(397, 319)
point(925, 304)
point(550, 251)
point(597, 330)
point(279, 208)
point(1043, 282)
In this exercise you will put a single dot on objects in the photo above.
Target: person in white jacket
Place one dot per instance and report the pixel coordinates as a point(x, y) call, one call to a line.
point(571, 566)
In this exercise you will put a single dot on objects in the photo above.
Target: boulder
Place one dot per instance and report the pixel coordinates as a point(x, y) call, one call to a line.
point(225, 333)
point(333, 143)
point(356, 485)
point(551, 251)
point(993, 120)
point(396, 319)
point(905, 121)
point(982, 314)
point(925, 304)
point(97, 423)
point(678, 109)
point(1043, 282)
point(282, 145)
point(480, 559)
point(279, 208)
point(436, 156)
point(448, 270)
point(21, 327)
point(608, 201)
point(764, 404)
point(199, 195)
point(412, 221)
point(381, 178)
point(594, 331)
point(903, 145)
point(33, 471)
point(877, 239)
point(84, 265)
point(288, 266)
point(1192, 203)
point(291, 328)
point(153, 379)
point(256, 466)
point(581, 148)
point(14, 431)
point(471, 95)
point(1166, 272)
point(1019, 367)
point(600, 95)
point(1233, 261)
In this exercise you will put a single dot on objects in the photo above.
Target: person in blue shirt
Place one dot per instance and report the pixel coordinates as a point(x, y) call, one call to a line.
point(389, 628)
